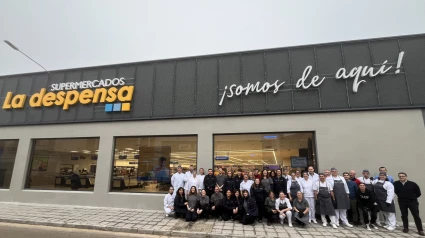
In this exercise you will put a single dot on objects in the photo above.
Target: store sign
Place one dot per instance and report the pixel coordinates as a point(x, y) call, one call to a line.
point(298, 162)
point(356, 73)
point(112, 92)
point(221, 158)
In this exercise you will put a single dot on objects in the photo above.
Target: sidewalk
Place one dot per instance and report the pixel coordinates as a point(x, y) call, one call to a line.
point(154, 222)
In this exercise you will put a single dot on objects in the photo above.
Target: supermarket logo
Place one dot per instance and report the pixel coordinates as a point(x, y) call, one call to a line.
point(112, 92)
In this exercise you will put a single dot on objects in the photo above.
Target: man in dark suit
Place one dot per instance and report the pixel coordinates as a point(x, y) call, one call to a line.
point(408, 193)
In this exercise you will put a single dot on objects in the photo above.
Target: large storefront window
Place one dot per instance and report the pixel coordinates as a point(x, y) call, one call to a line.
point(271, 151)
point(63, 164)
point(8, 150)
point(146, 164)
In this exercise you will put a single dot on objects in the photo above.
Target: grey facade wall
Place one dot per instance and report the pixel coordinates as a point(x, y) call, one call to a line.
point(345, 140)
point(192, 87)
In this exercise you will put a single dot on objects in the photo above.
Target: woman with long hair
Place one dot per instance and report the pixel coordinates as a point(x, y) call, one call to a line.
point(259, 193)
point(192, 204)
point(266, 181)
point(229, 206)
point(250, 208)
point(270, 207)
point(204, 205)
point(272, 174)
point(293, 187)
point(239, 202)
point(180, 203)
point(301, 208)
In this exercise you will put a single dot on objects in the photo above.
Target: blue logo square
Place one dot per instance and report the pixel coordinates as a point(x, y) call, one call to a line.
point(117, 107)
point(108, 107)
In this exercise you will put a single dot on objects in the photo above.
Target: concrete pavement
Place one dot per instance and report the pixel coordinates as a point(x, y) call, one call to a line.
point(154, 222)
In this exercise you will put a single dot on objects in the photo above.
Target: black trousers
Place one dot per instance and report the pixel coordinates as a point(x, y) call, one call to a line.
point(353, 212)
point(209, 192)
point(191, 216)
point(414, 209)
point(246, 220)
point(373, 214)
point(270, 215)
point(227, 214)
point(205, 211)
point(261, 209)
point(217, 212)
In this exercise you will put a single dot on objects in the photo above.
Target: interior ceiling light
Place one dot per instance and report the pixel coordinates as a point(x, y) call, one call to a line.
point(274, 154)
point(129, 148)
point(74, 151)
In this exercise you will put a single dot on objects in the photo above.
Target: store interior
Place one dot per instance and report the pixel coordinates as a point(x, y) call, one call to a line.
point(53, 161)
point(8, 150)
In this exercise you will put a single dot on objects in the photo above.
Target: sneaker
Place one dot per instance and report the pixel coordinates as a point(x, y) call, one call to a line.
point(281, 221)
point(374, 226)
point(386, 226)
point(314, 221)
point(219, 218)
point(269, 223)
point(348, 225)
point(290, 224)
point(334, 226)
point(368, 227)
point(406, 230)
point(260, 220)
point(325, 224)
point(391, 228)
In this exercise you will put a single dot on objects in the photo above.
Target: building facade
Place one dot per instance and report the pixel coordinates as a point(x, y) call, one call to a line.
point(124, 129)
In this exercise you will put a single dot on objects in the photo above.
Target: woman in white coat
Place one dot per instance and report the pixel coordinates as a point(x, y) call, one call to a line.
point(192, 180)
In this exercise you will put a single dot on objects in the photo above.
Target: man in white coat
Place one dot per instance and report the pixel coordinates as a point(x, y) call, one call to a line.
point(312, 175)
point(177, 180)
point(169, 202)
point(307, 184)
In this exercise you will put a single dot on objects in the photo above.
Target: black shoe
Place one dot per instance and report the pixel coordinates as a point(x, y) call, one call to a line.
point(269, 223)
point(421, 233)
point(219, 218)
point(260, 220)
point(405, 230)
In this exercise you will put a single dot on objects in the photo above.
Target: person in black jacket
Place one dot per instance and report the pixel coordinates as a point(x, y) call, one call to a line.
point(280, 183)
point(209, 183)
point(258, 191)
point(229, 182)
point(238, 179)
point(408, 193)
point(239, 204)
point(230, 207)
point(366, 202)
point(250, 208)
point(180, 204)
point(75, 181)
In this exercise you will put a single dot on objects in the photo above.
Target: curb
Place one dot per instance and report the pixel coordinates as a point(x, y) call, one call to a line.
point(124, 229)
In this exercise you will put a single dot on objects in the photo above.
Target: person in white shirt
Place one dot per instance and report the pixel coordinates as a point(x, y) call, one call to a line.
point(169, 202)
point(323, 192)
point(192, 181)
point(201, 176)
point(284, 208)
point(307, 186)
point(342, 197)
point(328, 175)
point(366, 179)
point(384, 192)
point(286, 175)
point(312, 175)
point(246, 184)
point(177, 180)
point(188, 174)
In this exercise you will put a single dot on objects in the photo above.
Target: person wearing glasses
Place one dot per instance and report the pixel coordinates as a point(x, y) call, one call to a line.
point(169, 202)
point(408, 193)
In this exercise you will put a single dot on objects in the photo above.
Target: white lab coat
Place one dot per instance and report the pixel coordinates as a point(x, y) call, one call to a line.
point(314, 177)
point(389, 187)
point(289, 184)
point(201, 181)
point(343, 181)
point(307, 186)
point(177, 180)
point(318, 184)
point(191, 181)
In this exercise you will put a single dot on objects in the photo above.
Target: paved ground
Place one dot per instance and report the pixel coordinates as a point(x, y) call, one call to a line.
point(8, 230)
point(154, 222)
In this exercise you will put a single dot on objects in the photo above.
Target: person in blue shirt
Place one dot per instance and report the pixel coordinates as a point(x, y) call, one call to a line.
point(384, 170)
point(352, 187)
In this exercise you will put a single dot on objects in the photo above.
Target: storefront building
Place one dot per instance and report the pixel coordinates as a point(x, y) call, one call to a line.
point(124, 129)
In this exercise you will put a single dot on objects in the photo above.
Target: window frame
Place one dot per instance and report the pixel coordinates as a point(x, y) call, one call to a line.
point(13, 169)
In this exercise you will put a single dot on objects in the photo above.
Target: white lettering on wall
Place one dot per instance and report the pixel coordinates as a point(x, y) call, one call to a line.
point(250, 88)
point(102, 83)
point(357, 73)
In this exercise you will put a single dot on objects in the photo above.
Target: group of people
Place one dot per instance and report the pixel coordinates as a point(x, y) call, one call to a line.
point(301, 197)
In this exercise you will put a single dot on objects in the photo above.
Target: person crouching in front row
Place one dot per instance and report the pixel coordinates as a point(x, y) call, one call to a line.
point(283, 206)
point(250, 208)
point(216, 202)
point(169, 202)
point(180, 204)
point(230, 207)
point(239, 204)
point(301, 208)
point(270, 207)
point(204, 205)
point(192, 205)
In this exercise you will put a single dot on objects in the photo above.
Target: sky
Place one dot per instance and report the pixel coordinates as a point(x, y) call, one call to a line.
point(62, 34)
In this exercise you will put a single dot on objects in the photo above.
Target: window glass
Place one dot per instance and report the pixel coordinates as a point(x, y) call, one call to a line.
point(63, 164)
point(271, 151)
point(8, 150)
point(146, 164)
